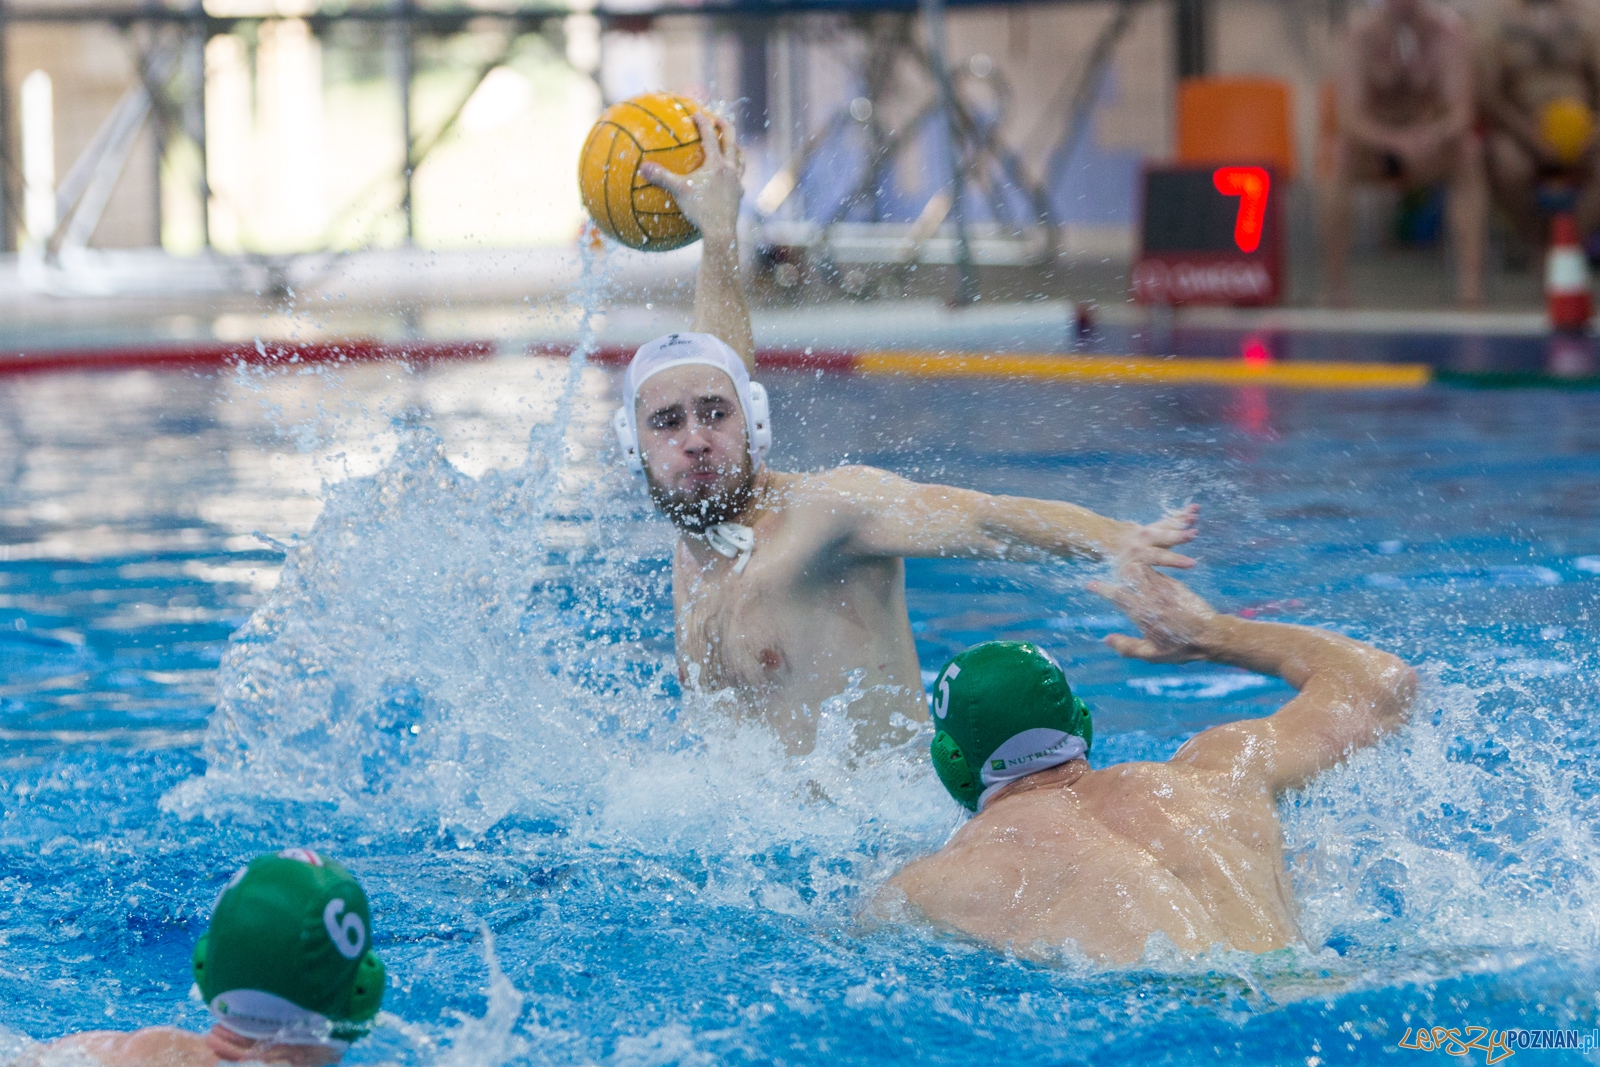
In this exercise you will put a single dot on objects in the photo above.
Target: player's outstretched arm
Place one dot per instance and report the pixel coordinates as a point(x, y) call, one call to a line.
point(1351, 694)
point(709, 196)
point(892, 516)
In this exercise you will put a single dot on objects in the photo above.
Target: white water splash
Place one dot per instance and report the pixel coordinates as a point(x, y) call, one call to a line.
point(1472, 830)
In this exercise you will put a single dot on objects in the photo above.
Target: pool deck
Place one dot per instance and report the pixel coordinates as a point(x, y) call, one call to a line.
point(437, 305)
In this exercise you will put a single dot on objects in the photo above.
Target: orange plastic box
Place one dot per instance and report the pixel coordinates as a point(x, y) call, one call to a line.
point(1235, 120)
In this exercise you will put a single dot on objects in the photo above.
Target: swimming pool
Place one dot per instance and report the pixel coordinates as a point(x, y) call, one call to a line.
point(460, 685)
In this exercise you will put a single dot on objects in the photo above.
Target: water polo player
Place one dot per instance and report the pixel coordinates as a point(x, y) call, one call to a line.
point(787, 586)
point(1191, 848)
point(286, 968)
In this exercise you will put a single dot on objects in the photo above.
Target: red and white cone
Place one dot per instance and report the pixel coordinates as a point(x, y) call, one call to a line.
point(1566, 277)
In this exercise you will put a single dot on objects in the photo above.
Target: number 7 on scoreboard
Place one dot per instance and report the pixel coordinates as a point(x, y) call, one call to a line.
point(1251, 185)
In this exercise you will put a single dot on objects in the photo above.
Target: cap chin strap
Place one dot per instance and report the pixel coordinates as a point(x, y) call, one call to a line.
point(734, 540)
point(262, 1016)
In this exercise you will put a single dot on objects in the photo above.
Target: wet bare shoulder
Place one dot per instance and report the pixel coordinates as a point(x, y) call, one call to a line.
point(957, 883)
point(848, 481)
point(1127, 795)
point(845, 492)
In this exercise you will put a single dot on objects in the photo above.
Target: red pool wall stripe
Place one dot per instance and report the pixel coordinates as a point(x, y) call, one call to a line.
point(793, 359)
point(279, 353)
point(902, 364)
point(218, 355)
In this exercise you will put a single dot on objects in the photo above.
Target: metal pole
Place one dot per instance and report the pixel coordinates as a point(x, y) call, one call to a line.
point(1191, 33)
point(966, 269)
point(8, 203)
point(159, 139)
point(197, 71)
point(407, 71)
point(755, 78)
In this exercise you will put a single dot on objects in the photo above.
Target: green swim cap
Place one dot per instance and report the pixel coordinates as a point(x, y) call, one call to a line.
point(1003, 710)
point(287, 957)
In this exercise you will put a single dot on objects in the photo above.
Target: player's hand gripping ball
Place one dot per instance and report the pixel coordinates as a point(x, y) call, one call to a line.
point(649, 128)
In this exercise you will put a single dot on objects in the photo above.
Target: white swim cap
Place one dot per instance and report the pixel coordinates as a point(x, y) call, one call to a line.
point(681, 350)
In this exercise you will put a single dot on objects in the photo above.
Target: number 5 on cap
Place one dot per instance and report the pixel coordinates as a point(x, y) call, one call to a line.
point(941, 702)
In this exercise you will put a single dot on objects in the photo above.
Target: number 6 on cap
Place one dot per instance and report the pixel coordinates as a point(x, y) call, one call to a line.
point(349, 936)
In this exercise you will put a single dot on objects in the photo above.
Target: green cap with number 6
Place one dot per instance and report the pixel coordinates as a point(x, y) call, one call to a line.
point(287, 958)
point(1002, 711)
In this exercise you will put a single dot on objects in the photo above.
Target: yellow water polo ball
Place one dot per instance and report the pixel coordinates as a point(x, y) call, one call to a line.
point(653, 128)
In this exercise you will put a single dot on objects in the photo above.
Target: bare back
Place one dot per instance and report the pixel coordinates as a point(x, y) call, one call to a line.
point(1106, 859)
point(156, 1046)
point(1190, 848)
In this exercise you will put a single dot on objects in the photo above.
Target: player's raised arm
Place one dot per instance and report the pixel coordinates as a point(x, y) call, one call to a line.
point(892, 516)
point(1351, 694)
point(710, 196)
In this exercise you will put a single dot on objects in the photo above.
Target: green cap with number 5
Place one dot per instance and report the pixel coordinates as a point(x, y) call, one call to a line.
point(1002, 711)
point(288, 956)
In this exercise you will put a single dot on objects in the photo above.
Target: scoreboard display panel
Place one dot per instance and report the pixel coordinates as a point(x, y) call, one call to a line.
point(1209, 235)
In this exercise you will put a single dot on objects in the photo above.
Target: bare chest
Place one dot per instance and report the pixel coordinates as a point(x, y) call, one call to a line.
point(733, 630)
point(780, 627)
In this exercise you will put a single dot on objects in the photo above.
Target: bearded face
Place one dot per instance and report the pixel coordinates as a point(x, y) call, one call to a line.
point(693, 441)
point(702, 505)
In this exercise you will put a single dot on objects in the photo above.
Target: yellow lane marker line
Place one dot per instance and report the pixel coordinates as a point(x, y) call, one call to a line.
point(1144, 370)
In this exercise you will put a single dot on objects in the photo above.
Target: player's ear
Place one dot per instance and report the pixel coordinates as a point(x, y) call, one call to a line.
point(954, 770)
point(197, 962)
point(1083, 724)
point(366, 992)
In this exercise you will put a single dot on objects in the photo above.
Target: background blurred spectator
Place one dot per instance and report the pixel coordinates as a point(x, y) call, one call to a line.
point(1405, 113)
point(1539, 90)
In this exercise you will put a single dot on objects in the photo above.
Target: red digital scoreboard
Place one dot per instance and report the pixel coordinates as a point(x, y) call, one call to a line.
point(1209, 235)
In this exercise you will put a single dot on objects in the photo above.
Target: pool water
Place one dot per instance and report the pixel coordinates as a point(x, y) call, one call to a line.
point(419, 619)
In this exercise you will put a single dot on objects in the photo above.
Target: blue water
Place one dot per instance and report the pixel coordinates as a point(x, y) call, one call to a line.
point(421, 621)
